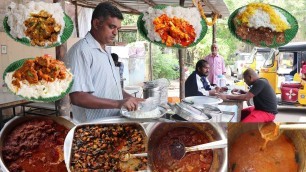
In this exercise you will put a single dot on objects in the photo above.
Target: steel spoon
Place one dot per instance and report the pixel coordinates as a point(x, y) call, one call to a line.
point(125, 156)
point(178, 149)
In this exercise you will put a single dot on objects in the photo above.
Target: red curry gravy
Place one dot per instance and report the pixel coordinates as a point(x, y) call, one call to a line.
point(198, 161)
point(245, 154)
point(35, 146)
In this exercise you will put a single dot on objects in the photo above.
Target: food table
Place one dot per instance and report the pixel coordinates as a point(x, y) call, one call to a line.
point(9, 100)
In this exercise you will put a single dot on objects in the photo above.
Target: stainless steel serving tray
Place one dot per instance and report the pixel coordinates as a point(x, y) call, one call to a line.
point(103, 122)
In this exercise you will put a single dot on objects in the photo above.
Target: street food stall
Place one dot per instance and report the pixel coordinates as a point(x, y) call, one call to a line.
point(132, 141)
point(56, 143)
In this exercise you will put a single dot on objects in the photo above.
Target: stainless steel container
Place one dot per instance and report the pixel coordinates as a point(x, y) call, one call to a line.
point(213, 131)
point(190, 113)
point(151, 90)
point(103, 123)
point(9, 126)
point(298, 137)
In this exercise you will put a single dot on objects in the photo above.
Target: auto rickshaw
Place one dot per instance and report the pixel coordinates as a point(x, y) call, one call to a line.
point(285, 69)
point(255, 61)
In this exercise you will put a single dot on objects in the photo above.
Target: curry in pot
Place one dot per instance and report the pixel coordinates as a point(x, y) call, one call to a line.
point(198, 161)
point(35, 146)
point(246, 154)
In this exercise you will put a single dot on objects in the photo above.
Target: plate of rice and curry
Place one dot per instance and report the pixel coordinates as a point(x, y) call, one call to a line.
point(263, 25)
point(175, 27)
point(38, 24)
point(41, 79)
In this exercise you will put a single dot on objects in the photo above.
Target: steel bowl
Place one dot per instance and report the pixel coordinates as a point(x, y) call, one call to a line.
point(10, 125)
point(298, 138)
point(213, 131)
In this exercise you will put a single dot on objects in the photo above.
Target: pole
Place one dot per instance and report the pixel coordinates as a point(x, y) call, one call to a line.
point(62, 105)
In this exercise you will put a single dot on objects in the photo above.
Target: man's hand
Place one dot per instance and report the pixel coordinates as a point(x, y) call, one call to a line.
point(131, 103)
point(238, 91)
point(222, 96)
point(223, 89)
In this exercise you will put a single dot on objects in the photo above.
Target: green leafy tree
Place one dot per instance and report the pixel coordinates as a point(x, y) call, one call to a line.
point(165, 65)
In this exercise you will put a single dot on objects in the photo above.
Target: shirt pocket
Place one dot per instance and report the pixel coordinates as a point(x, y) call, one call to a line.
point(219, 65)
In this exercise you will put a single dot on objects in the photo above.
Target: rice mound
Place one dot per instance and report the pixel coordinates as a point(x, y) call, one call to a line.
point(262, 19)
point(191, 15)
point(142, 114)
point(42, 89)
point(18, 13)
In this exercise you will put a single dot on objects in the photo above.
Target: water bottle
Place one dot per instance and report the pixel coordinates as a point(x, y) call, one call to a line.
point(221, 81)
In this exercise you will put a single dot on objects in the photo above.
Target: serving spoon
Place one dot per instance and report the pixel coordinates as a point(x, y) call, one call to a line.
point(271, 131)
point(125, 156)
point(178, 149)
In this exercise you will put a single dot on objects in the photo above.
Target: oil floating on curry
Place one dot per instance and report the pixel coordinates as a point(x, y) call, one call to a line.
point(35, 146)
point(247, 153)
point(163, 159)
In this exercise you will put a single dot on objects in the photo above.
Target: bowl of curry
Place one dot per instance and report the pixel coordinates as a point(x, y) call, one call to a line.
point(163, 135)
point(248, 150)
point(34, 144)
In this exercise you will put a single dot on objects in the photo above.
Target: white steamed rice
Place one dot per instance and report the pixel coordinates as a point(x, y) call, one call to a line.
point(262, 19)
point(18, 13)
point(141, 114)
point(43, 89)
point(191, 15)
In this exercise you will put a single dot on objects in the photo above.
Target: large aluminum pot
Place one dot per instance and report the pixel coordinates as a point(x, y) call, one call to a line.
point(298, 137)
point(10, 125)
point(213, 131)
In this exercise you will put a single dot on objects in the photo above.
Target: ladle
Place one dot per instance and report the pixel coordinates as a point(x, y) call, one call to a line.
point(271, 131)
point(125, 156)
point(178, 149)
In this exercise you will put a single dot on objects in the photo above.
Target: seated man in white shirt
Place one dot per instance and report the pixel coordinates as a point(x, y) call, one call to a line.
point(197, 83)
